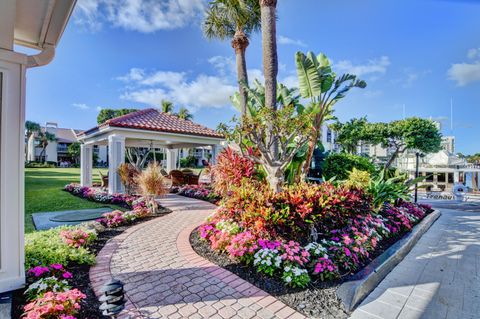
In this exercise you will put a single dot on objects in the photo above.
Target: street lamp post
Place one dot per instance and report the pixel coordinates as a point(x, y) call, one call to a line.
point(417, 155)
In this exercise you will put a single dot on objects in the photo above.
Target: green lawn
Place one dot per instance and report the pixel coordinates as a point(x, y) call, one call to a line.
point(44, 192)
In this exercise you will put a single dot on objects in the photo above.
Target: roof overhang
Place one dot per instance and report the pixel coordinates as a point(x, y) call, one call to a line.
point(39, 24)
point(144, 138)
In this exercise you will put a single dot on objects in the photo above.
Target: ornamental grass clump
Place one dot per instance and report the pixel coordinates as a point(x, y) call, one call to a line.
point(128, 174)
point(151, 184)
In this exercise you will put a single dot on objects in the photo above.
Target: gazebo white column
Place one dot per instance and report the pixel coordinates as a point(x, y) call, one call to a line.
point(171, 158)
point(86, 161)
point(215, 151)
point(116, 156)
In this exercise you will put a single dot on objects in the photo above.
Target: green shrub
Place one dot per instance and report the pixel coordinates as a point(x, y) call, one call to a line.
point(40, 165)
point(340, 165)
point(47, 247)
point(358, 179)
point(189, 161)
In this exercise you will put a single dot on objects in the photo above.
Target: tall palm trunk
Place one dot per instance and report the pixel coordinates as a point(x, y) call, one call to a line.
point(239, 44)
point(270, 58)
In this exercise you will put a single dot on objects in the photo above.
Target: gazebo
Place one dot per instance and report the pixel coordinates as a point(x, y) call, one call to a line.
point(148, 128)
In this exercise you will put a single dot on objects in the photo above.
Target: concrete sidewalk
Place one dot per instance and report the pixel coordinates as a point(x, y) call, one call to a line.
point(439, 278)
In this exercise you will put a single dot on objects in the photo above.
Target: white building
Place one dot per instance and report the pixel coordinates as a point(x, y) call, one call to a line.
point(57, 151)
point(36, 24)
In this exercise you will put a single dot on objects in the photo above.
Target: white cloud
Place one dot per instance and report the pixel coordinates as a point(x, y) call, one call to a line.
point(138, 15)
point(135, 74)
point(288, 41)
point(467, 72)
point(202, 91)
point(373, 67)
point(81, 106)
point(224, 65)
point(473, 53)
point(464, 73)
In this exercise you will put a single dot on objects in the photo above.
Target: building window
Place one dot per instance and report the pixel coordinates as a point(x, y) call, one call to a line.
point(329, 135)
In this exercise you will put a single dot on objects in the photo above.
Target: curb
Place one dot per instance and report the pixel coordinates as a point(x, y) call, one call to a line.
point(351, 293)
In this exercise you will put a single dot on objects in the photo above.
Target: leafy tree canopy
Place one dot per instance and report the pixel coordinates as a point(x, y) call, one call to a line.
point(409, 134)
point(107, 114)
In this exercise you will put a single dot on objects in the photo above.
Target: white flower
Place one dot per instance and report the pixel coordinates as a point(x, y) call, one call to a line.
point(288, 279)
point(287, 269)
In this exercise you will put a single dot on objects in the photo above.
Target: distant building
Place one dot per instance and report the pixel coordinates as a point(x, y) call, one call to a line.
point(443, 170)
point(57, 151)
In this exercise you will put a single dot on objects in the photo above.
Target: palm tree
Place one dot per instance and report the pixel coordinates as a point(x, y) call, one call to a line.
point(184, 114)
point(236, 20)
point(167, 106)
point(45, 138)
point(269, 49)
point(30, 129)
point(268, 10)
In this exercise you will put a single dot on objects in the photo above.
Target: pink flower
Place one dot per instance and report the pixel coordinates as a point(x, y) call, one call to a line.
point(67, 275)
point(56, 266)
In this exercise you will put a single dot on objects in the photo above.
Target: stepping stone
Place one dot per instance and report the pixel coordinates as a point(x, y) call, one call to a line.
point(43, 221)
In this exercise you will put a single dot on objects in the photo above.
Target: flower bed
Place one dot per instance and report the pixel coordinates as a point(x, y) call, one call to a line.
point(197, 192)
point(100, 195)
point(58, 260)
point(304, 238)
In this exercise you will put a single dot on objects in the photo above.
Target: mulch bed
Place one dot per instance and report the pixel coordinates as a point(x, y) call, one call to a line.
point(318, 300)
point(81, 279)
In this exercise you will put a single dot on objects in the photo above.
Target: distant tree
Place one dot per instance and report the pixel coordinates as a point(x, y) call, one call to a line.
point(107, 114)
point(45, 138)
point(30, 129)
point(184, 114)
point(74, 151)
point(350, 134)
point(167, 106)
point(409, 134)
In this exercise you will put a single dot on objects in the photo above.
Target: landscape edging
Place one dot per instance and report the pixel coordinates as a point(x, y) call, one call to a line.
point(352, 292)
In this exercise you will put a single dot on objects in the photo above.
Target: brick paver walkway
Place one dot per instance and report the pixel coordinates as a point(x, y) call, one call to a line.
point(165, 278)
point(439, 278)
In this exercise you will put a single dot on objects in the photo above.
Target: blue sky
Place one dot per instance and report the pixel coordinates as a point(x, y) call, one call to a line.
point(131, 53)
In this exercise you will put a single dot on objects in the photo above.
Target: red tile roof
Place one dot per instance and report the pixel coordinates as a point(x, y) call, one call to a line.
point(155, 120)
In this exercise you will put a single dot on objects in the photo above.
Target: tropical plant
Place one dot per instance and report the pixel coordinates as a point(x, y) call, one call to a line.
point(324, 89)
point(391, 190)
point(284, 130)
point(236, 20)
point(229, 171)
point(184, 114)
point(45, 138)
point(167, 106)
point(151, 184)
point(339, 165)
point(358, 179)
